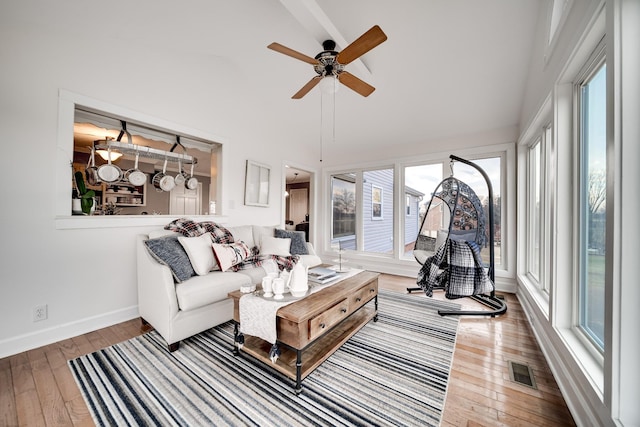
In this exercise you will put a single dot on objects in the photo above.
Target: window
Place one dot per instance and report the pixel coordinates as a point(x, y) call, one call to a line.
point(470, 176)
point(377, 216)
point(534, 210)
point(343, 216)
point(592, 185)
point(419, 181)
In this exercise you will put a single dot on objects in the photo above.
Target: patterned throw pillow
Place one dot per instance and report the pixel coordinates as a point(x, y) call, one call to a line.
point(298, 241)
point(229, 255)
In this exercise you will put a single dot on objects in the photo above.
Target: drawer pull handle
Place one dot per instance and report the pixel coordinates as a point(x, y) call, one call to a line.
point(358, 299)
point(344, 310)
point(372, 290)
point(322, 325)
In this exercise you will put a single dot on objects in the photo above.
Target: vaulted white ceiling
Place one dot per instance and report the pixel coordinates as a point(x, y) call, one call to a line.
point(449, 68)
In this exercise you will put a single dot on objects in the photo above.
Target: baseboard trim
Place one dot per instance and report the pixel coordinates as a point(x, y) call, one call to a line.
point(61, 332)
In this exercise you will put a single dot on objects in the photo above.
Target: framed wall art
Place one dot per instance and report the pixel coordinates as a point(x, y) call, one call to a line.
point(256, 185)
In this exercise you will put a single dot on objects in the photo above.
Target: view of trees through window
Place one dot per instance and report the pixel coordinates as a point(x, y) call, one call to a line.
point(593, 208)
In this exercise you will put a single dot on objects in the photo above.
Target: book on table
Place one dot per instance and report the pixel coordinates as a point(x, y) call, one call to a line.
point(322, 275)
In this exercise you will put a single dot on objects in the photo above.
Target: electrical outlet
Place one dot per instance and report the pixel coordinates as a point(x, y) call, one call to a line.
point(40, 313)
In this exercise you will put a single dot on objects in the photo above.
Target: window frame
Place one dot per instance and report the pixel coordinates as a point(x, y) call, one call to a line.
point(588, 71)
point(396, 262)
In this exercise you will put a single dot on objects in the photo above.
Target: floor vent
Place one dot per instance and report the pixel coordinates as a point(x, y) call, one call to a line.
point(521, 374)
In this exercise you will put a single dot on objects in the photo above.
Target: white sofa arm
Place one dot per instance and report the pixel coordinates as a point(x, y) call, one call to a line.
point(157, 301)
point(311, 249)
point(312, 259)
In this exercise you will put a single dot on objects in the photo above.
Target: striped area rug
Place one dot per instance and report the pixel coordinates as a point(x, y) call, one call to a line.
point(392, 372)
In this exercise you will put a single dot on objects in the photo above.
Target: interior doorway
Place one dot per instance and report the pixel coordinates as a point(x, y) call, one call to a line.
point(298, 200)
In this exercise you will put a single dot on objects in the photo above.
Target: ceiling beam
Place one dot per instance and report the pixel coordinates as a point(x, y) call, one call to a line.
point(320, 27)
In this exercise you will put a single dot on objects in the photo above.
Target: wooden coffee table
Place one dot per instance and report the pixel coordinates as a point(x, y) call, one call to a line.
point(311, 329)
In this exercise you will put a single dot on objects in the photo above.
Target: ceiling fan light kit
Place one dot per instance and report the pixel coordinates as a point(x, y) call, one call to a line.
point(330, 63)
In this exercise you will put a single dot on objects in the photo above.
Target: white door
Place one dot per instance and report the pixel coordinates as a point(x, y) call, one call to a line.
point(298, 204)
point(184, 201)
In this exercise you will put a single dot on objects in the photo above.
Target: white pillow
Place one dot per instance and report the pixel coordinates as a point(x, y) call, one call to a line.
point(243, 233)
point(261, 231)
point(200, 253)
point(275, 246)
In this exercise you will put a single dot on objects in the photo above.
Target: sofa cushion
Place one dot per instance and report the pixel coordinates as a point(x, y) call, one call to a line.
point(260, 231)
point(275, 246)
point(243, 233)
point(167, 250)
point(256, 274)
point(204, 290)
point(228, 255)
point(298, 241)
point(200, 253)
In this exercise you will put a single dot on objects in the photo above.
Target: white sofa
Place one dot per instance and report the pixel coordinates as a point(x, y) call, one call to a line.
point(180, 309)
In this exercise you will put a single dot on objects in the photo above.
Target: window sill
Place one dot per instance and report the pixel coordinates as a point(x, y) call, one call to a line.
point(590, 365)
point(535, 294)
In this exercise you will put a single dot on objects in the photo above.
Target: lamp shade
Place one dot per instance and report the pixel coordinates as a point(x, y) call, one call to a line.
point(105, 155)
point(329, 84)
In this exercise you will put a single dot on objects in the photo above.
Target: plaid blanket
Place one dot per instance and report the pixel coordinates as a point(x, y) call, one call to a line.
point(189, 228)
point(457, 267)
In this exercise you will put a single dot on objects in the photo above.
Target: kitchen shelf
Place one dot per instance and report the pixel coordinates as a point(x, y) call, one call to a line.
point(148, 152)
point(133, 196)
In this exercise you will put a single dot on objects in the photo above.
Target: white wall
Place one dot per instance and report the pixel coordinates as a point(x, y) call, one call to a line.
point(87, 276)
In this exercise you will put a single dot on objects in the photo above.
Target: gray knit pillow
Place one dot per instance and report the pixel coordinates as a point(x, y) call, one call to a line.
point(298, 241)
point(168, 251)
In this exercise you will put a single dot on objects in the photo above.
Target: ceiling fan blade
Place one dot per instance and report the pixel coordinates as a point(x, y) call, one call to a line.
point(362, 45)
point(306, 88)
point(292, 53)
point(354, 83)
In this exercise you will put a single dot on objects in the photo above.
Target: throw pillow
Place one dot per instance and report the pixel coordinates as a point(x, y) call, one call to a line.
point(200, 253)
point(168, 251)
point(243, 233)
point(275, 246)
point(229, 255)
point(298, 241)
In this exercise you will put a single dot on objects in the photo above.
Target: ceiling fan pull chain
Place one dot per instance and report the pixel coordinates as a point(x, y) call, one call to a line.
point(321, 127)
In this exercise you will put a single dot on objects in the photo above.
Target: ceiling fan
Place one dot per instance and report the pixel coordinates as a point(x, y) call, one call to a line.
point(331, 63)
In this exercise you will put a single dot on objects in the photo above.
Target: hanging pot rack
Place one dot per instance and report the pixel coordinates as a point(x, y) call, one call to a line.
point(143, 151)
point(148, 152)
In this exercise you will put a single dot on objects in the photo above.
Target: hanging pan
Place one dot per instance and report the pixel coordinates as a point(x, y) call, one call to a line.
point(192, 182)
point(162, 181)
point(91, 171)
point(109, 172)
point(135, 176)
point(181, 177)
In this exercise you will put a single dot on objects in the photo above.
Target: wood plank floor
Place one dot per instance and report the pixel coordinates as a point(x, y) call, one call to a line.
point(37, 388)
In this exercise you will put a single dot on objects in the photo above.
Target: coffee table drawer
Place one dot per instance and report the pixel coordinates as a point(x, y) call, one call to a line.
point(323, 322)
point(363, 295)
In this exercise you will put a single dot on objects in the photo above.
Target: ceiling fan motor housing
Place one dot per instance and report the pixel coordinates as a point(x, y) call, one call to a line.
point(327, 64)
